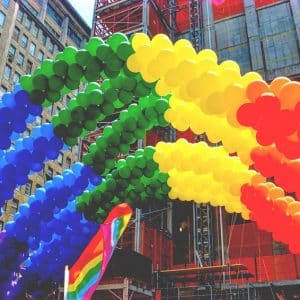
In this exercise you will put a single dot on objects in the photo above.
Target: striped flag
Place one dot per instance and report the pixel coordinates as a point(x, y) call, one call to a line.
point(88, 270)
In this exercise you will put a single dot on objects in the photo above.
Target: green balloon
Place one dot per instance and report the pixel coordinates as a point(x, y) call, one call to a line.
point(75, 72)
point(90, 125)
point(117, 126)
point(72, 84)
point(125, 97)
point(94, 65)
point(74, 130)
point(72, 103)
point(109, 73)
point(118, 104)
point(124, 172)
point(124, 148)
point(60, 68)
point(99, 156)
point(40, 82)
point(53, 96)
point(92, 86)
point(37, 97)
point(150, 113)
point(127, 72)
point(110, 163)
point(82, 99)
point(55, 83)
point(111, 185)
point(124, 50)
point(108, 109)
point(93, 44)
point(26, 82)
point(149, 152)
point(96, 97)
point(103, 52)
point(47, 67)
point(114, 64)
point(129, 124)
point(110, 95)
point(69, 55)
point(77, 114)
point(92, 112)
point(116, 39)
point(107, 130)
point(129, 83)
point(161, 105)
point(60, 130)
point(116, 82)
point(141, 90)
point(141, 162)
point(65, 116)
point(139, 133)
point(82, 57)
point(142, 122)
point(55, 120)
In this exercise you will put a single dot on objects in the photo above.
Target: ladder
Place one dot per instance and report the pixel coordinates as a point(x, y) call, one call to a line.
point(203, 235)
point(195, 14)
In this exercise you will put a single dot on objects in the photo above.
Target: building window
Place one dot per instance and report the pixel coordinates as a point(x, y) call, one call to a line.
point(16, 78)
point(6, 3)
point(35, 30)
point(16, 34)
point(60, 158)
point(49, 173)
point(74, 37)
point(28, 188)
point(7, 72)
point(30, 7)
point(28, 67)
point(40, 56)
point(68, 162)
point(32, 49)
point(51, 47)
point(1, 225)
point(28, 23)
point(11, 53)
point(2, 18)
point(20, 15)
point(20, 60)
point(44, 39)
point(24, 41)
point(54, 15)
point(14, 206)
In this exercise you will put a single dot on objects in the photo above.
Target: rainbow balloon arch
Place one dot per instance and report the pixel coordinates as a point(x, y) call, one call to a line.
point(151, 83)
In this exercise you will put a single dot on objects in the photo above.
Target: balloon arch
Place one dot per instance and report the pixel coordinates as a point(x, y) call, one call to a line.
point(149, 83)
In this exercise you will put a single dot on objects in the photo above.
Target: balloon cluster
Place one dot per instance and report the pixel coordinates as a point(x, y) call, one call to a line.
point(274, 113)
point(205, 94)
point(135, 180)
point(47, 262)
point(130, 127)
point(40, 219)
point(212, 176)
point(283, 219)
point(16, 111)
point(96, 104)
point(271, 163)
point(28, 156)
point(72, 66)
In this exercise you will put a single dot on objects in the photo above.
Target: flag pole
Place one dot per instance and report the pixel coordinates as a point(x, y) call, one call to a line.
point(66, 282)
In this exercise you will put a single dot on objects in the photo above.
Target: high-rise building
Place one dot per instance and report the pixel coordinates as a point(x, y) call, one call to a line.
point(31, 31)
point(262, 36)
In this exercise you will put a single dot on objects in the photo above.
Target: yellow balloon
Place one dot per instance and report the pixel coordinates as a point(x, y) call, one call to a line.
point(208, 54)
point(161, 41)
point(133, 63)
point(140, 39)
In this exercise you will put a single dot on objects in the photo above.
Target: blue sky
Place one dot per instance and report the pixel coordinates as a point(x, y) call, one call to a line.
point(85, 8)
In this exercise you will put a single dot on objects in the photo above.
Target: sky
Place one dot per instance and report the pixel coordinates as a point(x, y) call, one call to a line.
point(85, 8)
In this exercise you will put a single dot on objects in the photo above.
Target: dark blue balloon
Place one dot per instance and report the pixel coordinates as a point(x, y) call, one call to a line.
point(41, 144)
point(35, 110)
point(19, 125)
point(22, 98)
point(5, 129)
point(6, 115)
point(5, 143)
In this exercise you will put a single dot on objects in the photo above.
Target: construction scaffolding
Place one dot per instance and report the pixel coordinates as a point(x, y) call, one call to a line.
point(250, 33)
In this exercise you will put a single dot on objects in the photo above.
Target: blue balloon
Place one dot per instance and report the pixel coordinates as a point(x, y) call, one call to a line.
point(19, 125)
point(5, 143)
point(24, 209)
point(69, 179)
point(5, 129)
point(35, 110)
point(40, 194)
point(77, 168)
point(30, 119)
point(47, 130)
point(17, 88)
point(14, 136)
point(28, 143)
point(41, 144)
point(58, 181)
point(22, 98)
point(8, 100)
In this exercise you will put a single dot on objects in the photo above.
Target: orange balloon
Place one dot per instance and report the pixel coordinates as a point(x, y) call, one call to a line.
point(281, 203)
point(256, 89)
point(289, 95)
point(289, 199)
point(257, 179)
point(263, 188)
point(276, 192)
point(296, 217)
point(277, 84)
point(293, 208)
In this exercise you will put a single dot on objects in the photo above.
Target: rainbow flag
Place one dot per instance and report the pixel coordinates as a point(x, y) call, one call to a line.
point(88, 270)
